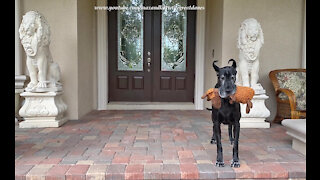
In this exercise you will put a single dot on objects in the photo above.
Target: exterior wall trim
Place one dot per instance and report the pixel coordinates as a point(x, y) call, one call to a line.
point(304, 60)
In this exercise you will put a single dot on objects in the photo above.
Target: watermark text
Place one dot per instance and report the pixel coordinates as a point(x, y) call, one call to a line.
point(139, 8)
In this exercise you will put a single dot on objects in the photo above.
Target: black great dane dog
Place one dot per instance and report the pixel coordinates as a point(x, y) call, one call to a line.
point(228, 113)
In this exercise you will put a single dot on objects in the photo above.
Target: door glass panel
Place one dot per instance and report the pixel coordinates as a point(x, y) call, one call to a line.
point(130, 36)
point(173, 36)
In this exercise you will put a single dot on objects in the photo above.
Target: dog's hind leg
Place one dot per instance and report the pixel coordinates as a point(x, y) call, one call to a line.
point(219, 161)
point(230, 133)
point(235, 159)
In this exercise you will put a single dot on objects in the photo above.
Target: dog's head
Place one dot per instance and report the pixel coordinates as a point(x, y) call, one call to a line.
point(226, 79)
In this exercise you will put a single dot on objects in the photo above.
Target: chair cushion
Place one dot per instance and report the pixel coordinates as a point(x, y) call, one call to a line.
point(295, 81)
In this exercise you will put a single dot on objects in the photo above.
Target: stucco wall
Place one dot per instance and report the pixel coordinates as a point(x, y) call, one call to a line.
point(86, 56)
point(62, 18)
point(282, 24)
point(214, 20)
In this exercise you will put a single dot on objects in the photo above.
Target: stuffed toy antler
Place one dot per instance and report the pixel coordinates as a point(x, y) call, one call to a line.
point(243, 95)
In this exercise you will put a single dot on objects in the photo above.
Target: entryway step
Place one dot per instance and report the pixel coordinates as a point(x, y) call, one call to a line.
point(150, 106)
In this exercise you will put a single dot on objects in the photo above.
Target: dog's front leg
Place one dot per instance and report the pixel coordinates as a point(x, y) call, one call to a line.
point(213, 139)
point(217, 132)
point(235, 160)
point(230, 133)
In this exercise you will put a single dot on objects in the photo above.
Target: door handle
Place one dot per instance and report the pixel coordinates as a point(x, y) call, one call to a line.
point(148, 62)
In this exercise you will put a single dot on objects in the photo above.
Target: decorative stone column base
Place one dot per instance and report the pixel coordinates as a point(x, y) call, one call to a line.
point(258, 114)
point(296, 129)
point(17, 103)
point(42, 110)
point(254, 123)
point(19, 84)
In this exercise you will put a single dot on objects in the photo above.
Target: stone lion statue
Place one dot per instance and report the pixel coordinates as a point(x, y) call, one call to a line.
point(250, 40)
point(34, 34)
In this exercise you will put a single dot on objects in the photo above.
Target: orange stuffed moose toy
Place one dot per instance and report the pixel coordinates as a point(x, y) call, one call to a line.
point(243, 95)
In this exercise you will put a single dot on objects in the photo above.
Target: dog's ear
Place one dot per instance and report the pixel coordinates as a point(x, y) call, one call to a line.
point(234, 64)
point(216, 68)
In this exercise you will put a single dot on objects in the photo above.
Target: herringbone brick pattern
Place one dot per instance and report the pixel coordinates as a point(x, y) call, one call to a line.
point(151, 144)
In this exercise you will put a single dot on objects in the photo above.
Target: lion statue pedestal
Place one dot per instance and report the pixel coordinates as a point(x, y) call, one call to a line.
point(42, 110)
point(257, 115)
point(43, 105)
point(250, 40)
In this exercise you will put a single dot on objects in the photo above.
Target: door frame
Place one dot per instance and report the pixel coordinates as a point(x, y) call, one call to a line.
point(102, 56)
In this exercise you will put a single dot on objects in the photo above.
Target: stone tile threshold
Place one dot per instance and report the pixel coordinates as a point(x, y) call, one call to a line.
point(117, 105)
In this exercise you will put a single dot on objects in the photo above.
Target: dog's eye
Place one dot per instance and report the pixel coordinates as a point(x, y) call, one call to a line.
point(222, 78)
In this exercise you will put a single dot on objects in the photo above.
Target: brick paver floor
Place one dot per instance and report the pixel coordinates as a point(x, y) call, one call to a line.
point(151, 144)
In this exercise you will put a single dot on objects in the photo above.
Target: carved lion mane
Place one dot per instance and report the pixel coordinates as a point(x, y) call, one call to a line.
point(250, 38)
point(40, 27)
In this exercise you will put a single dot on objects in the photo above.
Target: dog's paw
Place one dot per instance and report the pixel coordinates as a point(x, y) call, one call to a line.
point(219, 164)
point(232, 141)
point(213, 141)
point(235, 164)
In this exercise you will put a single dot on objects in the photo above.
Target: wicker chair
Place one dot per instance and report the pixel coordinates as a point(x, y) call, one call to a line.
point(290, 88)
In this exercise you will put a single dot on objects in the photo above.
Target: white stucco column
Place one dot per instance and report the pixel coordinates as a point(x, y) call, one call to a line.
point(199, 57)
point(102, 53)
point(19, 78)
point(18, 60)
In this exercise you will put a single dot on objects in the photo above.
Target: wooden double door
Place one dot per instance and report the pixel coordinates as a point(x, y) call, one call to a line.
point(151, 52)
